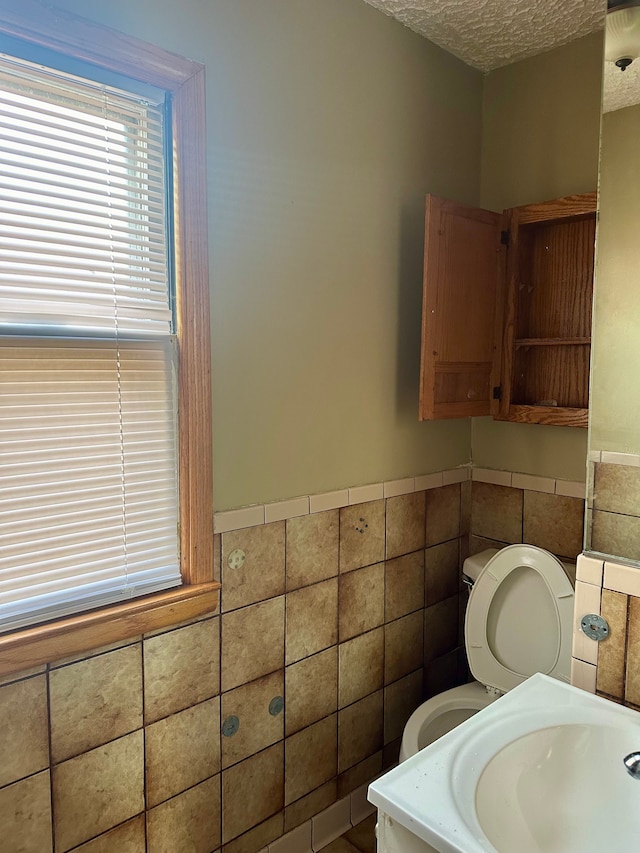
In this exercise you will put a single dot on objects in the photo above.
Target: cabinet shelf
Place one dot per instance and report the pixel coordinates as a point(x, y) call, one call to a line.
point(552, 342)
point(549, 415)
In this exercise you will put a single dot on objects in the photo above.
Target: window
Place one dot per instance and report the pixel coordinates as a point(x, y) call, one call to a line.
point(105, 435)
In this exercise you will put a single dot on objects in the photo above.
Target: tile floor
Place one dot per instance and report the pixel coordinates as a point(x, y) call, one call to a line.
point(360, 839)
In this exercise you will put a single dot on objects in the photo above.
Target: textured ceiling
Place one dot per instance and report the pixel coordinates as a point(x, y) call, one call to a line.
point(621, 88)
point(489, 33)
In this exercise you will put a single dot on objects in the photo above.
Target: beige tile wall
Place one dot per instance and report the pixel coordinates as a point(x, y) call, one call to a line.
point(504, 515)
point(614, 522)
point(610, 667)
point(225, 733)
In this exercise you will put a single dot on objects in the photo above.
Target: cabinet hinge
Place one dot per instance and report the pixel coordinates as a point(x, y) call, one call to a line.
point(497, 393)
point(504, 238)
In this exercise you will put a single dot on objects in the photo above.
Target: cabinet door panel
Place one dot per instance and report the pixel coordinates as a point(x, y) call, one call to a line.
point(462, 266)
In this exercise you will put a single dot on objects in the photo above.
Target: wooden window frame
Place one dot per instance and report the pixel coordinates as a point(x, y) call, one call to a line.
point(39, 25)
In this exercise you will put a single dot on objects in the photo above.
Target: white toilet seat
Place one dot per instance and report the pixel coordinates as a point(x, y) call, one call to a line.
point(439, 714)
point(519, 618)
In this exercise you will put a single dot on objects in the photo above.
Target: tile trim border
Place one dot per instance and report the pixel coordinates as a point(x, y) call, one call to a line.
point(333, 821)
point(258, 514)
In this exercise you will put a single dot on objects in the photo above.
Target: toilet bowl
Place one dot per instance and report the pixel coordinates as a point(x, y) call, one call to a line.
point(519, 621)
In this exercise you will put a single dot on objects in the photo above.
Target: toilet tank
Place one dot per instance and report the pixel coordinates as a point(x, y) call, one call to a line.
point(474, 565)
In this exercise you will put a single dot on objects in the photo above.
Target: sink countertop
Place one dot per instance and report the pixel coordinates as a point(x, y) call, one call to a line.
point(433, 793)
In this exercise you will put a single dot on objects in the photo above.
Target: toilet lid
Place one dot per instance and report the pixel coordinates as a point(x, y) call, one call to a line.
point(519, 618)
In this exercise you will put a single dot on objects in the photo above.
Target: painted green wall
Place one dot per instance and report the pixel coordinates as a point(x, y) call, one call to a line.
point(327, 124)
point(615, 403)
point(541, 125)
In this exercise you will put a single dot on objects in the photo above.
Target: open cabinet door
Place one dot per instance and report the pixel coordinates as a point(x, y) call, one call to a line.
point(463, 269)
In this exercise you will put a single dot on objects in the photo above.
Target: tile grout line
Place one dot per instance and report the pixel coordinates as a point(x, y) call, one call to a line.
point(50, 748)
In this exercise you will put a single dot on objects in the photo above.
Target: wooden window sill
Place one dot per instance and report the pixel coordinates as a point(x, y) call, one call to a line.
point(51, 641)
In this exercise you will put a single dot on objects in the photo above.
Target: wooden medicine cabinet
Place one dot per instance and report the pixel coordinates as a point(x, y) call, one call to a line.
point(506, 312)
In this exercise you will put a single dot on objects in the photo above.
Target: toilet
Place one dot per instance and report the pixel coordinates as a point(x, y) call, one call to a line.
point(519, 621)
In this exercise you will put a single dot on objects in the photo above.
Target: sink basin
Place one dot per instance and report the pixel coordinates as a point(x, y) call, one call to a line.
point(539, 771)
point(546, 790)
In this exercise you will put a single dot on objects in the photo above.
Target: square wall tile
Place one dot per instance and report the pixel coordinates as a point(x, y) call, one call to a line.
point(252, 565)
point(182, 750)
point(259, 837)
point(217, 556)
point(252, 791)
point(361, 601)
point(98, 650)
point(444, 672)
point(478, 544)
point(632, 682)
point(258, 726)
point(616, 488)
point(443, 514)
point(554, 522)
point(362, 534)
point(312, 548)
point(311, 619)
point(496, 512)
point(466, 489)
point(403, 646)
point(98, 790)
point(25, 815)
point(360, 731)
point(361, 773)
point(361, 663)
point(95, 701)
point(252, 642)
point(311, 689)
point(306, 807)
point(405, 524)
point(404, 585)
point(611, 652)
point(442, 572)
point(311, 758)
point(400, 701)
point(181, 668)
point(21, 676)
point(129, 837)
point(616, 534)
point(24, 737)
point(188, 822)
point(441, 628)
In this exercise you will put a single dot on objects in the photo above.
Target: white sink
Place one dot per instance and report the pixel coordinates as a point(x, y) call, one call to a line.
point(539, 771)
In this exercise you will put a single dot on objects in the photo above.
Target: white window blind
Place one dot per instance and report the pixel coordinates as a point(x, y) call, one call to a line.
point(88, 505)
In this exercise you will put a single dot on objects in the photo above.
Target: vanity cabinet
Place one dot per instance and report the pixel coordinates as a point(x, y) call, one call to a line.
point(506, 315)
